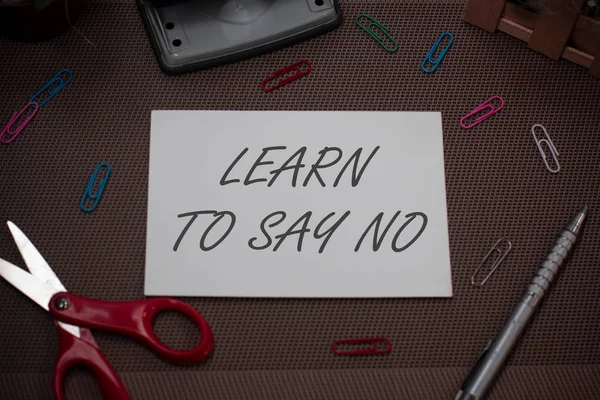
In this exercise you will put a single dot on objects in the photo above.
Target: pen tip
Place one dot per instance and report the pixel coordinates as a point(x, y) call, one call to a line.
point(577, 223)
point(581, 216)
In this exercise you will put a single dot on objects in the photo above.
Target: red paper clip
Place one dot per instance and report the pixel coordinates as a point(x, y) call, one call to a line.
point(488, 107)
point(12, 134)
point(361, 352)
point(297, 75)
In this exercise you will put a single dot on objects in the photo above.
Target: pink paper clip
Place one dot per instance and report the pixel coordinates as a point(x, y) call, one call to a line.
point(485, 106)
point(8, 135)
point(298, 73)
point(373, 349)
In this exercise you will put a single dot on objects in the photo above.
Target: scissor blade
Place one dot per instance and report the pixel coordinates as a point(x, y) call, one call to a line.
point(34, 260)
point(31, 286)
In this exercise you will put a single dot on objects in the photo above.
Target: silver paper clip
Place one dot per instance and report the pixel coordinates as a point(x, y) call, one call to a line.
point(501, 255)
point(548, 142)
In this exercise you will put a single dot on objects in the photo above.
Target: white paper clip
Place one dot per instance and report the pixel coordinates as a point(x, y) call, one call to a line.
point(502, 247)
point(550, 145)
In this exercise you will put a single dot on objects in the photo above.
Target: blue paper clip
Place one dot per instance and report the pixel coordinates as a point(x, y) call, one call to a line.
point(90, 187)
point(436, 62)
point(57, 89)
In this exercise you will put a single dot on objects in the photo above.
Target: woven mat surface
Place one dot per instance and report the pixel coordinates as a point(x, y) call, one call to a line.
point(497, 186)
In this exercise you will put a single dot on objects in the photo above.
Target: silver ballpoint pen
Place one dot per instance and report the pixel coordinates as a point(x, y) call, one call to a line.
point(491, 361)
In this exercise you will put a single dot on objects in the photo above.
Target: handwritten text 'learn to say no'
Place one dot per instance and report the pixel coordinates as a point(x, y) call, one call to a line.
point(302, 226)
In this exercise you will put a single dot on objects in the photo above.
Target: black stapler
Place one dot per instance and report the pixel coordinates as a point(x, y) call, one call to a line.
point(193, 34)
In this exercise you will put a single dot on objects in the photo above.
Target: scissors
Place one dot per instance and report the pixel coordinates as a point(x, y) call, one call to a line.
point(75, 315)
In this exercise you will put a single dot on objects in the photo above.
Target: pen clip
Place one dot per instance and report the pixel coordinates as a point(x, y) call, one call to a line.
point(475, 367)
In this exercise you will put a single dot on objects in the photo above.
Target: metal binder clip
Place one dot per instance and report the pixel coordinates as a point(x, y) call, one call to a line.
point(61, 84)
point(361, 352)
point(551, 146)
point(8, 134)
point(384, 29)
point(485, 106)
point(298, 73)
point(428, 58)
point(501, 255)
point(90, 187)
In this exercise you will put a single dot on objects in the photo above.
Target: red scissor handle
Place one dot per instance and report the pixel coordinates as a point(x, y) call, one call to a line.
point(73, 352)
point(133, 319)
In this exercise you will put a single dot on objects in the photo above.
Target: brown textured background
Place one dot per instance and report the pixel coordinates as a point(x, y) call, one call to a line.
point(280, 349)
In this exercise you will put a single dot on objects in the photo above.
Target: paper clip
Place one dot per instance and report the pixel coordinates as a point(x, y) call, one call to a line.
point(375, 24)
point(373, 349)
point(428, 58)
point(501, 255)
point(90, 187)
point(551, 146)
point(57, 89)
point(487, 105)
point(298, 73)
point(8, 135)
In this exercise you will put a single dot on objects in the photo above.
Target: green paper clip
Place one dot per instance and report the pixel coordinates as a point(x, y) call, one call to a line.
point(375, 24)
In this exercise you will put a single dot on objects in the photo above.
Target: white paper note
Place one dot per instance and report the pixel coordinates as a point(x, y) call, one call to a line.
point(297, 204)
